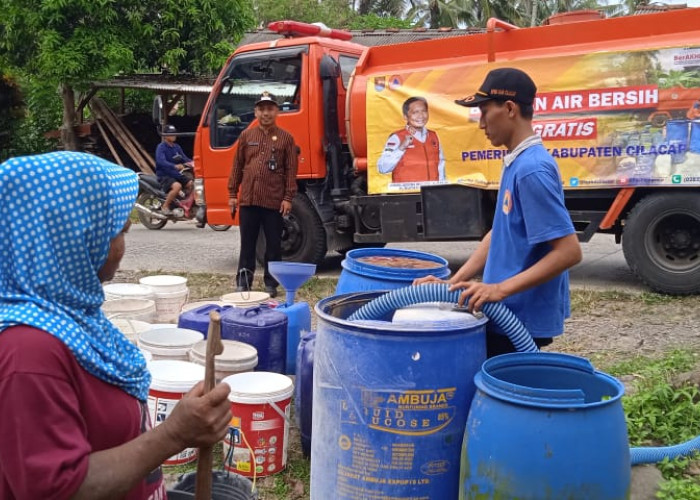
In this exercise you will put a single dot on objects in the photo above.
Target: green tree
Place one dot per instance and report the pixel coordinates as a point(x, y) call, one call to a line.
point(333, 13)
point(66, 44)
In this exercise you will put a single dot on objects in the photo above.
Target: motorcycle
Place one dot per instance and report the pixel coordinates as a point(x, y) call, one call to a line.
point(152, 197)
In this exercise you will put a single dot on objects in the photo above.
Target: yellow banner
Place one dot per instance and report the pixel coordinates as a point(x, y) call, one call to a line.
point(610, 119)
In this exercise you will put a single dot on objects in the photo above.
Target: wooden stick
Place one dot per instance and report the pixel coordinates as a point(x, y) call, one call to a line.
point(202, 489)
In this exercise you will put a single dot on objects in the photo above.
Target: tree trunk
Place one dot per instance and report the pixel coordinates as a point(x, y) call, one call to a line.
point(434, 7)
point(365, 7)
point(68, 137)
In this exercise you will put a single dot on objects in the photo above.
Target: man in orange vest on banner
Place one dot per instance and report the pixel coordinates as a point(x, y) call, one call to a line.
point(413, 154)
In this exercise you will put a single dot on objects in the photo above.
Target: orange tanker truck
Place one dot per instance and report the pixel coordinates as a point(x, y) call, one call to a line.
point(628, 167)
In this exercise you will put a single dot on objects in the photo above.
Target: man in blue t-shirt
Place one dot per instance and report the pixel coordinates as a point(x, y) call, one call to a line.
point(171, 162)
point(526, 256)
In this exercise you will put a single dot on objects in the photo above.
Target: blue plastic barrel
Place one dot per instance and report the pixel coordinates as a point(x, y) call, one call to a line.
point(359, 276)
point(677, 139)
point(545, 425)
point(390, 403)
point(262, 327)
point(695, 136)
point(198, 318)
point(303, 387)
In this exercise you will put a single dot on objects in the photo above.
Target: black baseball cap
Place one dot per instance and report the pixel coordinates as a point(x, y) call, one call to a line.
point(266, 97)
point(169, 129)
point(503, 84)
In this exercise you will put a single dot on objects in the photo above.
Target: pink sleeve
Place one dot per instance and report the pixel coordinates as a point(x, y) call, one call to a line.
point(43, 445)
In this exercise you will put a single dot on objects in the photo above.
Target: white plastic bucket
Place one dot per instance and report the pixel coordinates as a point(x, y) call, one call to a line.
point(147, 355)
point(170, 380)
point(169, 305)
point(127, 291)
point(260, 404)
point(169, 343)
point(138, 309)
point(165, 283)
point(131, 328)
point(237, 357)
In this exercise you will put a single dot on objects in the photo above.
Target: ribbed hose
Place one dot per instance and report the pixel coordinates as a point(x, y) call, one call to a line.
point(439, 292)
point(655, 454)
point(518, 335)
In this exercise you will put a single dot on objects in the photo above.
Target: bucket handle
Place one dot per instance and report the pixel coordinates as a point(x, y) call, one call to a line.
point(279, 411)
point(251, 310)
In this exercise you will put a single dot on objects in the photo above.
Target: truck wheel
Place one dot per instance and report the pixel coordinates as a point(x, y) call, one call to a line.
point(153, 203)
point(661, 242)
point(219, 227)
point(303, 235)
point(659, 119)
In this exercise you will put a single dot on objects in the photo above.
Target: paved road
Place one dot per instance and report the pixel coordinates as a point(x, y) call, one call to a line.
point(183, 247)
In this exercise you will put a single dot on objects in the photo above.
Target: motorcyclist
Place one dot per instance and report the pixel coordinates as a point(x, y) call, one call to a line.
point(171, 167)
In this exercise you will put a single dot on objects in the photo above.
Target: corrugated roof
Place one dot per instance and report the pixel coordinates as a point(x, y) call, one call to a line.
point(186, 84)
point(203, 85)
point(655, 8)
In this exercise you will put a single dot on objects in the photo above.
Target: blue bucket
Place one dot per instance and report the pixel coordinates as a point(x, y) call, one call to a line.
point(390, 403)
point(359, 276)
point(677, 139)
point(545, 425)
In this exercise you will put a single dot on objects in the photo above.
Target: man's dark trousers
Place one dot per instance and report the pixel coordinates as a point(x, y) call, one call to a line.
point(251, 220)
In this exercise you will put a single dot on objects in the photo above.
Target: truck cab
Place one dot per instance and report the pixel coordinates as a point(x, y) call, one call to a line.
point(309, 77)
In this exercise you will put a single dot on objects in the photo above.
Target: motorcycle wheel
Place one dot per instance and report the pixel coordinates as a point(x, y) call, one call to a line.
point(219, 227)
point(153, 203)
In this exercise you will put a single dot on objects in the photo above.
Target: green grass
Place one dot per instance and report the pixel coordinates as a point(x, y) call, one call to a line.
point(663, 410)
point(587, 301)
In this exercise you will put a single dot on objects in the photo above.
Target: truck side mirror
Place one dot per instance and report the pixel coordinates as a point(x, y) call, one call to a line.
point(157, 113)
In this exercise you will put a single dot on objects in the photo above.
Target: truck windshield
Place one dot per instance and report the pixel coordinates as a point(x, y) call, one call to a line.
point(275, 71)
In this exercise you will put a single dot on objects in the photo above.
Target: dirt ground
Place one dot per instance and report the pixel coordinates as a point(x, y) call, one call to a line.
point(610, 327)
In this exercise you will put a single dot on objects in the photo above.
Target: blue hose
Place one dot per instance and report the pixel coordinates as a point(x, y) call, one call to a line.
point(439, 292)
point(518, 335)
point(655, 454)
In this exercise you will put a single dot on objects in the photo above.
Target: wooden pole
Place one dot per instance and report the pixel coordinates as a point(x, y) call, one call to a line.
point(202, 489)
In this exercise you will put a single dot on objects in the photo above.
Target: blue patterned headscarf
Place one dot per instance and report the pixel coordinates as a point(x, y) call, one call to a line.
point(59, 213)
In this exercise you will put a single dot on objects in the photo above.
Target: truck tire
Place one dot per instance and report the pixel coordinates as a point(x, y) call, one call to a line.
point(152, 202)
point(303, 235)
point(661, 242)
point(219, 227)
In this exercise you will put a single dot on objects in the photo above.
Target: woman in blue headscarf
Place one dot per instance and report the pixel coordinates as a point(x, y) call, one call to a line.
point(73, 418)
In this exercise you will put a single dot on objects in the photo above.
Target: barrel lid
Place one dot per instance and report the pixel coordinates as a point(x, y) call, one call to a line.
point(130, 305)
point(259, 387)
point(170, 337)
point(130, 326)
point(234, 352)
point(174, 376)
point(201, 305)
point(163, 280)
point(245, 299)
point(128, 290)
